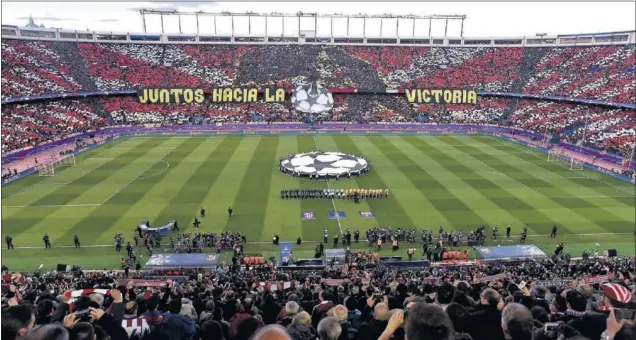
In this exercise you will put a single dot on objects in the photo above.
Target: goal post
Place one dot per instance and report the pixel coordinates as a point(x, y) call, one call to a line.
point(564, 160)
point(68, 160)
point(576, 164)
point(48, 169)
point(554, 155)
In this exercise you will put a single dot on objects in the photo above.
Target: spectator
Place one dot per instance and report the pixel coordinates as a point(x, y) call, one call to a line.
point(516, 322)
point(459, 317)
point(245, 312)
point(354, 314)
point(152, 316)
point(175, 325)
point(291, 309)
point(245, 329)
point(374, 328)
point(329, 328)
point(428, 322)
point(325, 304)
point(299, 331)
point(485, 322)
point(17, 322)
point(52, 331)
point(208, 313)
point(136, 326)
point(211, 330)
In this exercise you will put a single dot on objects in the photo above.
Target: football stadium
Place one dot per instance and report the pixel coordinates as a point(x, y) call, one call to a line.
point(328, 184)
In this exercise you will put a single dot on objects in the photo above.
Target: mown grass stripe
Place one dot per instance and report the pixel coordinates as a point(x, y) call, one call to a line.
point(415, 204)
point(590, 208)
point(282, 217)
point(388, 212)
point(106, 217)
point(192, 194)
point(21, 222)
point(314, 229)
point(157, 186)
point(251, 201)
point(439, 194)
point(14, 187)
point(514, 210)
point(584, 181)
point(569, 220)
point(353, 221)
point(222, 193)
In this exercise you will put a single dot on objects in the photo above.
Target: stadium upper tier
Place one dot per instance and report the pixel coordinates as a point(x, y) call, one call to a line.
point(32, 68)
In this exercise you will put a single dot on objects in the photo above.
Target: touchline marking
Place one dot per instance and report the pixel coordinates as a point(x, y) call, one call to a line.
point(625, 196)
point(362, 241)
point(514, 145)
point(333, 203)
point(136, 177)
point(52, 205)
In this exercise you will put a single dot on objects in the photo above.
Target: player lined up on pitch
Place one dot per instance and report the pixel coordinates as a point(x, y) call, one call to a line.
point(316, 193)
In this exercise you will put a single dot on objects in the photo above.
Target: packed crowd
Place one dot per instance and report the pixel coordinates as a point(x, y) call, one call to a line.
point(32, 124)
point(541, 299)
point(37, 67)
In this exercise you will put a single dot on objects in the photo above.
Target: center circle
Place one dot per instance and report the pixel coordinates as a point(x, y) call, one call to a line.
point(323, 164)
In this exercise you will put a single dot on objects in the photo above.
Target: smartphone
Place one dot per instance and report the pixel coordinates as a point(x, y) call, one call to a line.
point(624, 314)
point(82, 315)
point(550, 326)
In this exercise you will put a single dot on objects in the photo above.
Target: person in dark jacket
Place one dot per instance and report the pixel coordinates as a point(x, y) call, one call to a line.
point(459, 316)
point(211, 330)
point(176, 326)
point(44, 312)
point(485, 322)
point(270, 309)
point(374, 328)
point(516, 322)
point(589, 323)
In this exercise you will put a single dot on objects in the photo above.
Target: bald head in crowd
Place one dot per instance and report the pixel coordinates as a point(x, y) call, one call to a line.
point(381, 311)
point(272, 332)
point(341, 313)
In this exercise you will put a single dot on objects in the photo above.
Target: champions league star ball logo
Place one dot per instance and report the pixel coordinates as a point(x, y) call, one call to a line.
point(323, 164)
point(314, 99)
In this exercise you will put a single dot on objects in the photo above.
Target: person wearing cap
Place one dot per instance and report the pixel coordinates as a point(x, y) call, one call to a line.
point(590, 324)
point(614, 295)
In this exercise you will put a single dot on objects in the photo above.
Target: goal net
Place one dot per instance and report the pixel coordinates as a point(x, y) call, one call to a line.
point(564, 160)
point(48, 169)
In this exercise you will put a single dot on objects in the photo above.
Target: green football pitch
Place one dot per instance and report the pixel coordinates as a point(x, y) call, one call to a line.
point(459, 182)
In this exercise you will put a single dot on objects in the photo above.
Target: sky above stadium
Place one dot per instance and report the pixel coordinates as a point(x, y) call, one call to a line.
point(484, 19)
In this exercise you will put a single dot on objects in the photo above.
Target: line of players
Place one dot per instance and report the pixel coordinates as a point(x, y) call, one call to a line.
point(475, 238)
point(316, 193)
point(149, 239)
